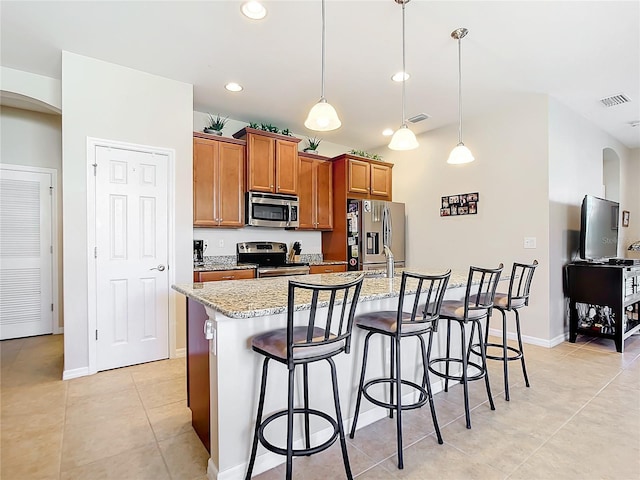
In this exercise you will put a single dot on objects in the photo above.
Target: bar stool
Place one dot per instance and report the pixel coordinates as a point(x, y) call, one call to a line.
point(324, 334)
point(472, 309)
point(516, 298)
point(429, 292)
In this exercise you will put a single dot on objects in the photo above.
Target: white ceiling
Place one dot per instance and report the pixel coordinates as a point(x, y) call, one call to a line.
point(577, 52)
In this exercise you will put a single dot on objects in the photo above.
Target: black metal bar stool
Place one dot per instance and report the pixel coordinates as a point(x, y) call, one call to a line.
point(327, 332)
point(472, 309)
point(516, 298)
point(396, 325)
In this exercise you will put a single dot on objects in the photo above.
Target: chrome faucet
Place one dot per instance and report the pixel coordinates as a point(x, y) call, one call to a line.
point(390, 265)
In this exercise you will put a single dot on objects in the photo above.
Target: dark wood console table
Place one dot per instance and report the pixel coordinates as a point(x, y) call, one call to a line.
point(597, 287)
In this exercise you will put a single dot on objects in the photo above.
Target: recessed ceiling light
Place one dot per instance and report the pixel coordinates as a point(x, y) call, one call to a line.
point(254, 10)
point(400, 77)
point(233, 87)
point(387, 132)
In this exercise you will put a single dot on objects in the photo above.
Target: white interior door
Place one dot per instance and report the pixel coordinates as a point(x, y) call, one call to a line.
point(26, 301)
point(132, 282)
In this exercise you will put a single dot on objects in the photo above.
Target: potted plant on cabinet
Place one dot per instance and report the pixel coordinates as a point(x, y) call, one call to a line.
point(312, 145)
point(216, 124)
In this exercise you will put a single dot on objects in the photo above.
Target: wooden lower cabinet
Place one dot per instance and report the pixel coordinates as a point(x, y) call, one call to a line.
point(217, 275)
point(327, 268)
point(198, 355)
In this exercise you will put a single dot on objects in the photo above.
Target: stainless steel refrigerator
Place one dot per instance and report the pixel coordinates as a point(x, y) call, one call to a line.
point(372, 224)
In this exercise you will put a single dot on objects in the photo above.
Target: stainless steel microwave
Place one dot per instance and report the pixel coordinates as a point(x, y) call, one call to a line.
point(271, 210)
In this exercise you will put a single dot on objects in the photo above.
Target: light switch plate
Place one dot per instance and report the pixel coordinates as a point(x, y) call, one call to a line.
point(529, 242)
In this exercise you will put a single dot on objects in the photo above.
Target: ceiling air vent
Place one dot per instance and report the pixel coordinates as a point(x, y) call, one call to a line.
point(418, 118)
point(614, 100)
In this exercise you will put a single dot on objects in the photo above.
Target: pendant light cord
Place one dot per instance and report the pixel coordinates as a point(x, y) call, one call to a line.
point(323, 35)
point(459, 94)
point(404, 70)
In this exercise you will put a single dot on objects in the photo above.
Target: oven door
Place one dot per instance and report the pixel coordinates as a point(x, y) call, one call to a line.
point(264, 210)
point(264, 272)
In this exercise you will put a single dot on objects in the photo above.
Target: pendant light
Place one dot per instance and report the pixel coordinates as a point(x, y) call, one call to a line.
point(322, 116)
point(403, 139)
point(460, 154)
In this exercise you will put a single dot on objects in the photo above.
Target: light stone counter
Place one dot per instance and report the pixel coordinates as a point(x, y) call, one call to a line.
point(268, 296)
point(240, 309)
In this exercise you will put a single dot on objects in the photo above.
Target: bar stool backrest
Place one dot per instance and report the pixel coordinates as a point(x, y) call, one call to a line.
point(340, 301)
point(430, 291)
point(520, 284)
point(486, 280)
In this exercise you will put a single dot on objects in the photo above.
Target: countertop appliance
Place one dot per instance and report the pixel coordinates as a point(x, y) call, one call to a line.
point(269, 210)
point(198, 252)
point(372, 224)
point(271, 258)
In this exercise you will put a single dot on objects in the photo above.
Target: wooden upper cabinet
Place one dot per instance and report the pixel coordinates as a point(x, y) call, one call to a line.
point(315, 193)
point(359, 176)
point(380, 181)
point(218, 182)
point(272, 161)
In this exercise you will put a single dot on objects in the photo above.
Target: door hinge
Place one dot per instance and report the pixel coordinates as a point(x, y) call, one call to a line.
point(50, 248)
point(95, 168)
point(52, 307)
point(96, 334)
point(95, 252)
point(50, 190)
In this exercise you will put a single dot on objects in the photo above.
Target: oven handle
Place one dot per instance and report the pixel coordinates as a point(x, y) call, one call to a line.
point(289, 207)
point(277, 272)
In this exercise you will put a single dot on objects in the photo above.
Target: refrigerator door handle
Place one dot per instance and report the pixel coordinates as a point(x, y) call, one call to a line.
point(387, 237)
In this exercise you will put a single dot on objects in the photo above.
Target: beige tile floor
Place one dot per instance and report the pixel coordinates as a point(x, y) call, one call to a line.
point(579, 420)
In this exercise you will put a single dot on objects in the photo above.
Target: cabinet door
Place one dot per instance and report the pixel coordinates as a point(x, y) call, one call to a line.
point(381, 181)
point(286, 167)
point(359, 176)
point(260, 163)
point(324, 195)
point(306, 187)
point(204, 155)
point(230, 198)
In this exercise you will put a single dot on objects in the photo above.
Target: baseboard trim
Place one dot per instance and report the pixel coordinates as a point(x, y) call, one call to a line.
point(540, 342)
point(75, 373)
point(180, 352)
point(58, 330)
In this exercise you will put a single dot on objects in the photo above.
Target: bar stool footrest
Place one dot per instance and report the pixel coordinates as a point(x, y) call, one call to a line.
point(424, 397)
point(477, 376)
point(517, 356)
point(303, 451)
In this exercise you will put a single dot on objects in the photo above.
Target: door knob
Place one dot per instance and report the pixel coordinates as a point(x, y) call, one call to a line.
point(159, 268)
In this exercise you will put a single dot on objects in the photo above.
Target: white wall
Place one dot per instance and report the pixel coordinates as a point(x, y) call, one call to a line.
point(107, 101)
point(630, 200)
point(34, 139)
point(510, 173)
point(611, 175)
point(576, 149)
point(311, 241)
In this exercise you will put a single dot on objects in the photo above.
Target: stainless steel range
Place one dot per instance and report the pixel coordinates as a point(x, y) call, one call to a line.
point(271, 258)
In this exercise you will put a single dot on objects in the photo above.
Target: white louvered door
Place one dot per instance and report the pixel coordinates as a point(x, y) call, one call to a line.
point(26, 307)
point(132, 295)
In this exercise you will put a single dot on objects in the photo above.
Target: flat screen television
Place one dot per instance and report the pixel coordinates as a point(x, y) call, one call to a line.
point(598, 229)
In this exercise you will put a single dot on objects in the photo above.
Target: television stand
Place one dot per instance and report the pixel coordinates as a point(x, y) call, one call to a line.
point(604, 301)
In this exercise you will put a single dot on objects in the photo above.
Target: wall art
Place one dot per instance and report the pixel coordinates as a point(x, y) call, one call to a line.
point(459, 204)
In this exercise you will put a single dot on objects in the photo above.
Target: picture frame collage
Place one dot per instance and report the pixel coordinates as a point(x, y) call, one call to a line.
point(459, 204)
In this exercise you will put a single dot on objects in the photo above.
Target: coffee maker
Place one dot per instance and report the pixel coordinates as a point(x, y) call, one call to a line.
point(198, 252)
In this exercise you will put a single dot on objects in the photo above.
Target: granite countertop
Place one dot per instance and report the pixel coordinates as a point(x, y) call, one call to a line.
point(268, 296)
point(212, 267)
point(327, 262)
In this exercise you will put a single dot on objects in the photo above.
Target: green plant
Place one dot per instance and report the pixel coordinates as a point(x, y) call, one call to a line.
point(254, 125)
point(267, 127)
point(285, 131)
point(362, 153)
point(217, 122)
point(312, 143)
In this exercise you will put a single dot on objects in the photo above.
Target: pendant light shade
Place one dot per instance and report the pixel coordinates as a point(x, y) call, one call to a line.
point(460, 154)
point(322, 116)
point(403, 138)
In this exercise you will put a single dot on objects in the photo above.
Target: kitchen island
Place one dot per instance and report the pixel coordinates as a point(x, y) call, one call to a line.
point(239, 310)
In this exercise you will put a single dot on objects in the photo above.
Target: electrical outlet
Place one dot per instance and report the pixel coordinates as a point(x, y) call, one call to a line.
point(529, 242)
point(220, 243)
